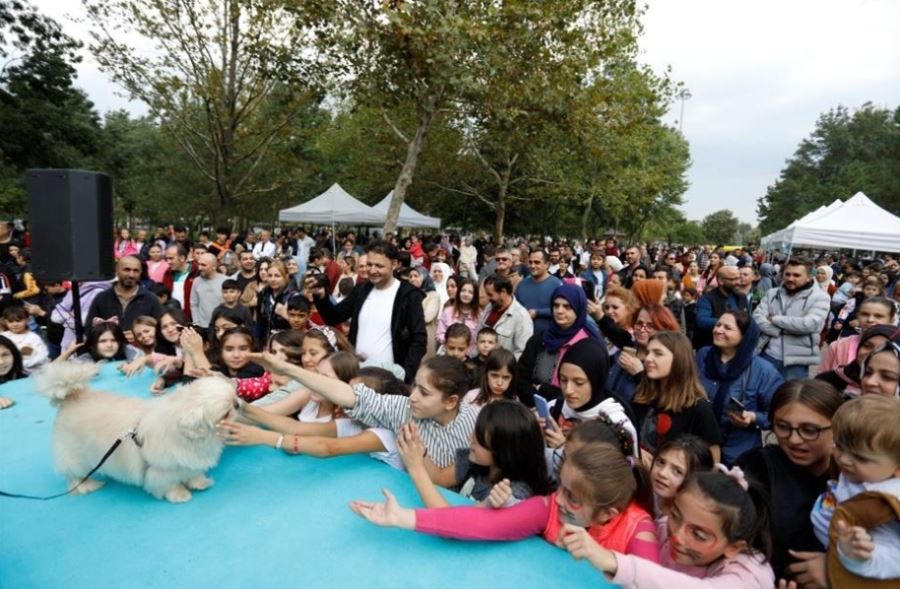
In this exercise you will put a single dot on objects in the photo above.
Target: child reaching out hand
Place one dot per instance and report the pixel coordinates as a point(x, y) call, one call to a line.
point(342, 367)
point(433, 405)
point(597, 491)
point(716, 536)
point(507, 451)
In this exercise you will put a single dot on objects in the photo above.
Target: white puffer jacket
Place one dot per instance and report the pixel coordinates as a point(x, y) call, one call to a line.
point(797, 319)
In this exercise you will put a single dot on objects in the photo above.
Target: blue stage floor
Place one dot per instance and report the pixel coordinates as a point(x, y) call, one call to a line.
point(271, 520)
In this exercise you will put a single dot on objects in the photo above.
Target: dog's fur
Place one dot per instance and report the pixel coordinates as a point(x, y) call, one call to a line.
point(177, 432)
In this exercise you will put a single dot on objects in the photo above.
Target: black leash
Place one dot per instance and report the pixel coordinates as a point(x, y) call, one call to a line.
point(132, 433)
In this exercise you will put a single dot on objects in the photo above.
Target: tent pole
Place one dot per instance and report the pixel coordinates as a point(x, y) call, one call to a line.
point(333, 247)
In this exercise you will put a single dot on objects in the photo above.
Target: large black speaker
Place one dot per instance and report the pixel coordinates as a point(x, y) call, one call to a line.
point(70, 215)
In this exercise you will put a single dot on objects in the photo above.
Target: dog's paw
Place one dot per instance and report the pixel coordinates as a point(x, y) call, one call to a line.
point(200, 483)
point(88, 486)
point(178, 494)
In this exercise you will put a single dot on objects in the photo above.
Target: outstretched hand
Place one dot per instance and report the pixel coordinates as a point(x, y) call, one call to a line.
point(272, 363)
point(855, 541)
point(582, 546)
point(136, 366)
point(388, 514)
point(191, 341)
point(239, 434)
point(499, 495)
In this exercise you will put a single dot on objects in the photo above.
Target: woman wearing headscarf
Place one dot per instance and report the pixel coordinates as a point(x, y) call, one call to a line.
point(847, 379)
point(440, 273)
point(766, 278)
point(824, 274)
point(738, 383)
point(468, 259)
point(583, 392)
point(539, 362)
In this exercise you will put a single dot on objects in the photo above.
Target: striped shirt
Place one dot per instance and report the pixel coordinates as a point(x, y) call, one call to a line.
point(392, 412)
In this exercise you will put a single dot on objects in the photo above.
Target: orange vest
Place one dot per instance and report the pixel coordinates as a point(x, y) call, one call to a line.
point(615, 534)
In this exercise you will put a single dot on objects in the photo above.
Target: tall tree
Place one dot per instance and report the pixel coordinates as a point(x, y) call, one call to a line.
point(847, 152)
point(622, 163)
point(225, 77)
point(389, 53)
point(720, 227)
point(531, 80)
point(44, 120)
point(25, 31)
point(440, 56)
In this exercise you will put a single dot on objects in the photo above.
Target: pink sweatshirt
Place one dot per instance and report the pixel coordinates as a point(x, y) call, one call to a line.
point(745, 571)
point(839, 353)
point(527, 518)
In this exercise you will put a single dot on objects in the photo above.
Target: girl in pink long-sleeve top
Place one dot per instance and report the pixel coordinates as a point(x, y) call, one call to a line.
point(716, 536)
point(465, 309)
point(597, 490)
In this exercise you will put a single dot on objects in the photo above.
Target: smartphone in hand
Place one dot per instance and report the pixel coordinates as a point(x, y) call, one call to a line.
point(543, 410)
point(736, 406)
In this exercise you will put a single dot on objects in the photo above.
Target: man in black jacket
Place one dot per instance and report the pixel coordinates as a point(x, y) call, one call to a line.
point(126, 300)
point(398, 337)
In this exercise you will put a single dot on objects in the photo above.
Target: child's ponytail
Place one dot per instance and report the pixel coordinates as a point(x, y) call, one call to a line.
point(743, 507)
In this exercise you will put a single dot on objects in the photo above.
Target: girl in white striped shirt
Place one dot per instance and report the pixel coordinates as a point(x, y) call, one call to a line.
point(434, 405)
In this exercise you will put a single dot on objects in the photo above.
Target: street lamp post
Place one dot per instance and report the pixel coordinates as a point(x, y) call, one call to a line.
point(685, 94)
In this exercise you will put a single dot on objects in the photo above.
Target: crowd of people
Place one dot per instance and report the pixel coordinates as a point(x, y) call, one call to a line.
point(677, 416)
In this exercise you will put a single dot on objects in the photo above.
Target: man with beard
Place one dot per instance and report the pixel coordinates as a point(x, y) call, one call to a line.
point(713, 305)
point(632, 263)
point(126, 300)
point(206, 293)
point(791, 317)
point(387, 322)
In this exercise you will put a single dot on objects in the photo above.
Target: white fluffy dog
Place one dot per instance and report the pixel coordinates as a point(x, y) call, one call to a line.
point(175, 444)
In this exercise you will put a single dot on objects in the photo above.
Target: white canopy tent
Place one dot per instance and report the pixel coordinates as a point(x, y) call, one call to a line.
point(409, 217)
point(777, 239)
point(857, 223)
point(333, 206)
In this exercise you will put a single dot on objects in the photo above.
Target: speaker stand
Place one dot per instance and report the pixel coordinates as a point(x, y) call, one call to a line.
point(76, 310)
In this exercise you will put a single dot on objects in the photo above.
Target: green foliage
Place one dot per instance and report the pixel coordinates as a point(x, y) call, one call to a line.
point(44, 120)
point(27, 32)
point(720, 227)
point(517, 116)
point(506, 76)
point(671, 226)
point(225, 78)
point(846, 153)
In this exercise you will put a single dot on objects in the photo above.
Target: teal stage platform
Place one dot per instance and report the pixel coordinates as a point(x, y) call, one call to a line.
point(271, 520)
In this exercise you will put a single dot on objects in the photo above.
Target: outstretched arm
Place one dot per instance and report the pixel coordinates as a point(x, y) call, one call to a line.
point(287, 425)
point(336, 391)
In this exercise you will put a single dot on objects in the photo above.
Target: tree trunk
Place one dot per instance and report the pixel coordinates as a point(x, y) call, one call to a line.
point(585, 217)
point(409, 167)
point(501, 215)
point(502, 191)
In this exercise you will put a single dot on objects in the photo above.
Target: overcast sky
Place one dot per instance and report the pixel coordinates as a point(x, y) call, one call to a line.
point(760, 73)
